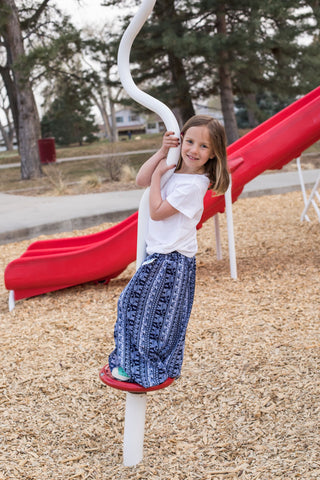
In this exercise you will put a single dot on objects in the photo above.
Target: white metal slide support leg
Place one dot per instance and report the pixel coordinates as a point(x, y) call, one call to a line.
point(232, 250)
point(303, 188)
point(11, 300)
point(218, 237)
point(134, 428)
point(313, 194)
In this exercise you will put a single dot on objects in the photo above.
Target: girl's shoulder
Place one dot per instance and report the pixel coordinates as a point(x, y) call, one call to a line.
point(190, 178)
point(185, 184)
point(186, 192)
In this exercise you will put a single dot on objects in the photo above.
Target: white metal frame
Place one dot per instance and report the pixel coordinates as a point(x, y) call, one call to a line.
point(232, 249)
point(231, 242)
point(11, 300)
point(314, 194)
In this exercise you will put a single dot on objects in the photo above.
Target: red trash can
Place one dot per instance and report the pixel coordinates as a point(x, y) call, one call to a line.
point(47, 150)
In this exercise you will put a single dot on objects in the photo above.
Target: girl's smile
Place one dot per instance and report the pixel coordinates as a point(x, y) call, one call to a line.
point(196, 150)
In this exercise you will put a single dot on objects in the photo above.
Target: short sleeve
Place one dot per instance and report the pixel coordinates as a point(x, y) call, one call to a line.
point(187, 198)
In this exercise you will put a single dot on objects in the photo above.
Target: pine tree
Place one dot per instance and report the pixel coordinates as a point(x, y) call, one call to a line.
point(69, 118)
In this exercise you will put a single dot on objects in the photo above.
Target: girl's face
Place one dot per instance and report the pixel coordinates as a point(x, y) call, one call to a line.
point(196, 150)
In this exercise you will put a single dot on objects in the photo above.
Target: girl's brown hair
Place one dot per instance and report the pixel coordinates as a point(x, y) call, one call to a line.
point(216, 168)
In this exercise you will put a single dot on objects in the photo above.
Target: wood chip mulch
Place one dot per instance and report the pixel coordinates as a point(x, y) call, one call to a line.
point(247, 403)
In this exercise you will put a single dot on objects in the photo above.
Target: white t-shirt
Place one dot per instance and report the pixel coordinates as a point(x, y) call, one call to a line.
point(185, 193)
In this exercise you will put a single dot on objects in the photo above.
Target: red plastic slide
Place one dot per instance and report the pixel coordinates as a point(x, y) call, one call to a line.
point(55, 264)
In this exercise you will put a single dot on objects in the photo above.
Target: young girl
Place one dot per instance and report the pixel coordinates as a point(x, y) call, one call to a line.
point(154, 308)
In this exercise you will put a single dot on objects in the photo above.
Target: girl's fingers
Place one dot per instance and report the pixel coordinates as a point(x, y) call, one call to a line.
point(171, 141)
point(163, 167)
point(169, 138)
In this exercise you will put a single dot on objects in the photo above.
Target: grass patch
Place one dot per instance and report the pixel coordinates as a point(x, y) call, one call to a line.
point(9, 157)
point(81, 176)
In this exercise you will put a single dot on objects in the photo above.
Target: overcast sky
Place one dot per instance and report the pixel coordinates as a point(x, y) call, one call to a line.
point(87, 12)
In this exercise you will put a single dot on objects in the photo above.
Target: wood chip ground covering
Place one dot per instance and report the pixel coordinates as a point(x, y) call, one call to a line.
point(247, 403)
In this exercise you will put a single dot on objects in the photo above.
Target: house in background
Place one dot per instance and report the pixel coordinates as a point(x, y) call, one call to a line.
point(130, 122)
point(154, 123)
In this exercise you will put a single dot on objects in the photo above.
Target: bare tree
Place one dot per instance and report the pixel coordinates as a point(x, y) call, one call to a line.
point(28, 120)
point(102, 100)
point(6, 129)
point(100, 57)
point(8, 82)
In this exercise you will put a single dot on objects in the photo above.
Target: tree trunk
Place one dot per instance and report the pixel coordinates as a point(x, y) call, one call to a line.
point(4, 136)
point(29, 126)
point(11, 92)
point(7, 136)
point(183, 100)
point(99, 101)
point(251, 104)
point(6, 130)
point(225, 83)
point(114, 135)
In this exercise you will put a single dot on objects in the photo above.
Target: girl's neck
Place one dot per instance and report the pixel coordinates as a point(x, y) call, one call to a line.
point(183, 169)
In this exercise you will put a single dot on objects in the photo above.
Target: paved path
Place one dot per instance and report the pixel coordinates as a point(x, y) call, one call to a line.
point(28, 217)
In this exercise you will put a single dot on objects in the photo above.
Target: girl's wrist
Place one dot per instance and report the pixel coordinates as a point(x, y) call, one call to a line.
point(163, 152)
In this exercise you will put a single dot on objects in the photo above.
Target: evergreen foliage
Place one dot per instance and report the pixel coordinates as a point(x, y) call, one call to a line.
point(69, 118)
point(270, 50)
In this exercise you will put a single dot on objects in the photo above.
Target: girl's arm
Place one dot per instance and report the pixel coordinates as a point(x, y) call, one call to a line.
point(143, 178)
point(159, 209)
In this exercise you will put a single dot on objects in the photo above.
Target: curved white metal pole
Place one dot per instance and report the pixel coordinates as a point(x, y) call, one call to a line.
point(136, 404)
point(138, 95)
point(149, 102)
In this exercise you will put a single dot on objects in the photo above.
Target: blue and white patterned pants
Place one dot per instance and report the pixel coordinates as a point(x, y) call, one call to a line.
point(153, 314)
